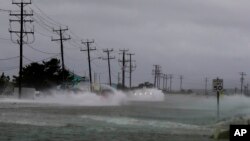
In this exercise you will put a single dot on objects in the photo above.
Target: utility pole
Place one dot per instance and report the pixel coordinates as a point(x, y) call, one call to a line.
point(108, 51)
point(166, 79)
point(131, 68)
point(181, 79)
point(61, 38)
point(89, 49)
point(157, 73)
point(22, 18)
point(123, 61)
point(206, 82)
point(242, 81)
point(170, 87)
point(163, 81)
point(159, 80)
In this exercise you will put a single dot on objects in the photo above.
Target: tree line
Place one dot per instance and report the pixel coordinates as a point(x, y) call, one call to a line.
point(40, 76)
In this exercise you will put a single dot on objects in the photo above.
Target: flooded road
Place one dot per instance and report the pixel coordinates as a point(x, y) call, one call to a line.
point(176, 118)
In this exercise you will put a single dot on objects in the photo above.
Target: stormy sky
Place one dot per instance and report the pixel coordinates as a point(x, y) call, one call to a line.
point(193, 38)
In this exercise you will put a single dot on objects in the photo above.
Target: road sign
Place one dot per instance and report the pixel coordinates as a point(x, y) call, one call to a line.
point(217, 85)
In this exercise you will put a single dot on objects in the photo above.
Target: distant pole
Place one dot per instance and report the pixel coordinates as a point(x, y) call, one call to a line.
point(131, 68)
point(155, 75)
point(89, 49)
point(170, 87)
point(181, 78)
point(123, 61)
point(159, 80)
point(108, 51)
point(158, 76)
point(242, 81)
point(163, 82)
point(166, 87)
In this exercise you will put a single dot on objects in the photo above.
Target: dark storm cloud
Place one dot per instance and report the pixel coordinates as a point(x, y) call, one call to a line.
point(195, 38)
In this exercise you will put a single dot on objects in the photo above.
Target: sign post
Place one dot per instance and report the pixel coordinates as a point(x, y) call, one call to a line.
point(218, 87)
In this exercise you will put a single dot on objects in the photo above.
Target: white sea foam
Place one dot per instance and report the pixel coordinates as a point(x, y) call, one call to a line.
point(85, 98)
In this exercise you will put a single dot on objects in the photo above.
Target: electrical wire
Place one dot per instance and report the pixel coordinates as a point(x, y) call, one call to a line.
point(40, 50)
point(4, 39)
point(51, 19)
point(45, 18)
point(4, 10)
point(10, 58)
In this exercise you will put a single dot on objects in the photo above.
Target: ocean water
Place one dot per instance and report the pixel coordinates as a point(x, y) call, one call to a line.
point(87, 117)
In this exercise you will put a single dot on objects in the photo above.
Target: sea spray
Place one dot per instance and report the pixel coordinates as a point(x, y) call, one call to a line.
point(83, 99)
point(86, 98)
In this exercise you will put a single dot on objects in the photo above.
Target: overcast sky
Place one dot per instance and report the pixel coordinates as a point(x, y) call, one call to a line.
point(193, 38)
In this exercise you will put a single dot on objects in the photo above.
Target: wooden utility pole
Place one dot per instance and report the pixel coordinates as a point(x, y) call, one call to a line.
point(123, 61)
point(108, 51)
point(89, 49)
point(21, 18)
point(166, 77)
point(157, 73)
point(181, 79)
point(131, 68)
point(242, 81)
point(61, 38)
point(171, 78)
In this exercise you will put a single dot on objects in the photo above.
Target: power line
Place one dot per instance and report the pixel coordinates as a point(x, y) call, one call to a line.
point(5, 10)
point(40, 50)
point(41, 59)
point(16, 67)
point(27, 59)
point(55, 22)
point(44, 19)
point(9, 68)
point(4, 39)
point(43, 25)
point(10, 58)
point(51, 21)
